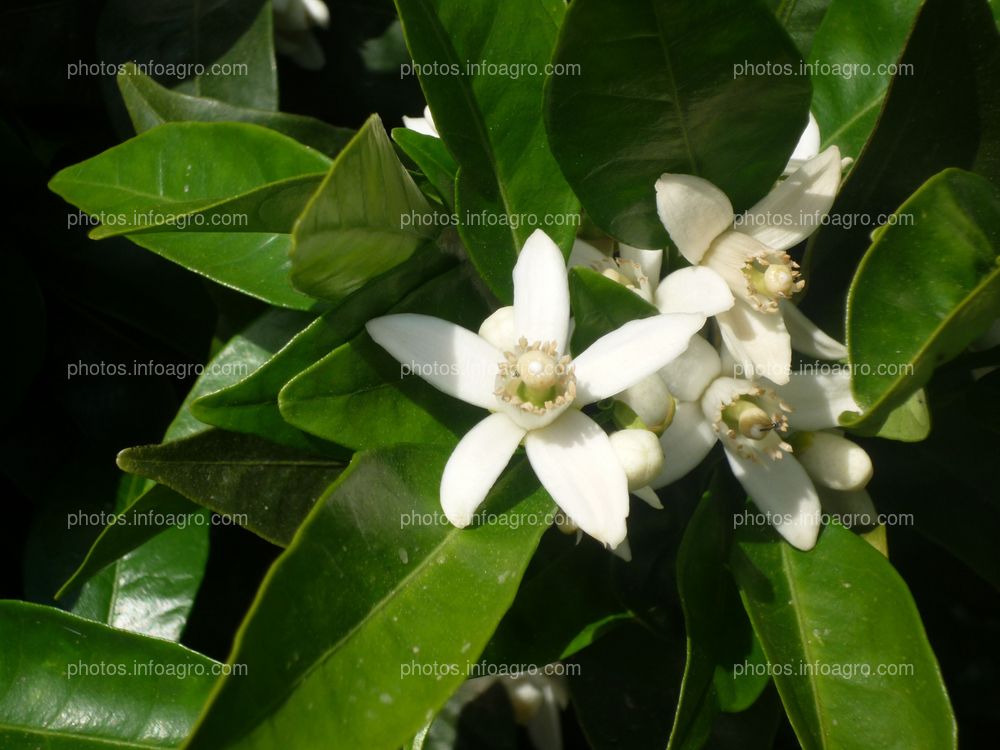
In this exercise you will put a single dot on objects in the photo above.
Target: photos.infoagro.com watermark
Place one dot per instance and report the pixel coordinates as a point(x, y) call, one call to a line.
point(152, 368)
point(152, 668)
point(153, 219)
point(155, 69)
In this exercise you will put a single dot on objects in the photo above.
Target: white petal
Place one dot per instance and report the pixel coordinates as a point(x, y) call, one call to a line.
point(648, 496)
point(759, 342)
point(474, 465)
point(498, 329)
point(818, 399)
point(689, 375)
point(782, 490)
point(650, 400)
point(627, 355)
point(834, 461)
point(807, 147)
point(584, 254)
point(541, 292)
point(807, 337)
point(693, 211)
point(795, 208)
point(422, 125)
point(694, 290)
point(649, 261)
point(685, 444)
point(576, 464)
point(640, 454)
point(452, 359)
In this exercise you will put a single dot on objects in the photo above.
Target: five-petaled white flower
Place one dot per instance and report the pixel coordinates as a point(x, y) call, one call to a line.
point(519, 369)
point(750, 255)
point(751, 419)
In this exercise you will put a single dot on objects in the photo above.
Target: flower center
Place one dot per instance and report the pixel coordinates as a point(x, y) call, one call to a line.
point(748, 419)
point(535, 378)
point(771, 278)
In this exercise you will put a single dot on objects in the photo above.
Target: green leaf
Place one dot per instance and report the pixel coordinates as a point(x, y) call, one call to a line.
point(659, 89)
point(346, 644)
point(178, 35)
point(360, 397)
point(490, 119)
point(78, 684)
point(158, 509)
point(150, 590)
point(433, 159)
point(150, 104)
point(801, 19)
point(601, 306)
point(831, 621)
point(182, 168)
point(927, 288)
point(850, 82)
point(266, 488)
point(251, 405)
point(718, 633)
point(367, 217)
point(913, 141)
point(909, 422)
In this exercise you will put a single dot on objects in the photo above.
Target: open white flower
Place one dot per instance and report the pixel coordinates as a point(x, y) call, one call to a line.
point(293, 24)
point(758, 427)
point(750, 253)
point(424, 125)
point(519, 369)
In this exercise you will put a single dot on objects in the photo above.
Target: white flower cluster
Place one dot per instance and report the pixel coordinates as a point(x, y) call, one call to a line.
point(685, 393)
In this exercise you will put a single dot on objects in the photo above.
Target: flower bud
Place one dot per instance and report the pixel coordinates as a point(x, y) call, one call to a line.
point(640, 455)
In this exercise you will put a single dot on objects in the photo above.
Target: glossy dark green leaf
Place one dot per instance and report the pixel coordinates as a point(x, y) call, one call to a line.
point(601, 306)
point(76, 685)
point(236, 36)
point(490, 118)
point(925, 290)
point(360, 397)
point(913, 141)
point(150, 104)
point(266, 488)
point(367, 217)
point(801, 19)
point(366, 624)
point(151, 589)
point(844, 641)
point(624, 689)
point(433, 159)
point(660, 89)
point(251, 405)
point(178, 168)
point(853, 72)
point(720, 642)
point(158, 509)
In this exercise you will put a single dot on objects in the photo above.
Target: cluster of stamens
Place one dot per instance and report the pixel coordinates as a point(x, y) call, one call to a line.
point(753, 422)
point(771, 278)
point(535, 378)
point(625, 272)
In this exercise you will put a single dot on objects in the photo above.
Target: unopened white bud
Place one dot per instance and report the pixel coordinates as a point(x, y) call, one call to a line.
point(640, 454)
